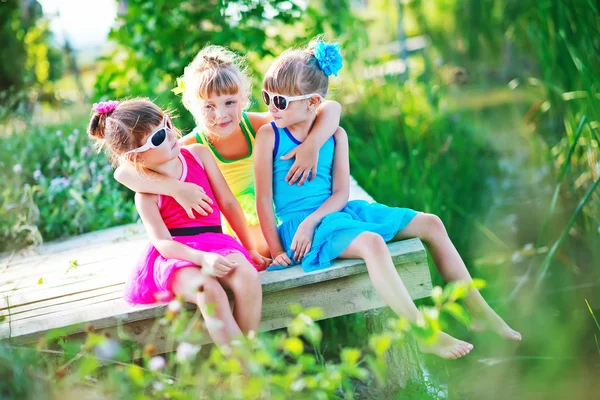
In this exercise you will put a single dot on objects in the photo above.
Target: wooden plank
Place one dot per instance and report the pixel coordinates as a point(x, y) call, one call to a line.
point(104, 313)
point(23, 305)
point(402, 252)
point(97, 238)
point(341, 296)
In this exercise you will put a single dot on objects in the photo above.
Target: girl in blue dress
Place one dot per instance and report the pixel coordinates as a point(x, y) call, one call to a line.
point(318, 224)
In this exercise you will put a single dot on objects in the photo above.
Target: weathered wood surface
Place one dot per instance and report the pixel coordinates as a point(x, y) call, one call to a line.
point(80, 280)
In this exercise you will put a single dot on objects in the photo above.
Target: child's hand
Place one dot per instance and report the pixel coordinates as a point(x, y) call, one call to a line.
point(193, 197)
point(282, 259)
point(216, 265)
point(307, 158)
point(303, 239)
point(261, 262)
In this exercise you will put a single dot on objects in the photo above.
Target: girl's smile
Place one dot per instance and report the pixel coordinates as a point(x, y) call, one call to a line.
point(221, 113)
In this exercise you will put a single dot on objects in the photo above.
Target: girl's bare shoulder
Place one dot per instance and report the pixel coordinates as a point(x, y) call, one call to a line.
point(257, 120)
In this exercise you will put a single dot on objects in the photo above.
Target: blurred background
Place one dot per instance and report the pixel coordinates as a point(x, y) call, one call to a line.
point(484, 112)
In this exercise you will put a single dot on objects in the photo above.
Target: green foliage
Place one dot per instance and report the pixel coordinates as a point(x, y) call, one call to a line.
point(268, 366)
point(406, 151)
point(55, 185)
point(29, 61)
point(156, 40)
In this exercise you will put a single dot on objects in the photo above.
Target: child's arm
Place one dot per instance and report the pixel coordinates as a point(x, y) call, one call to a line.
point(188, 139)
point(147, 206)
point(263, 177)
point(229, 205)
point(302, 240)
point(307, 154)
point(190, 196)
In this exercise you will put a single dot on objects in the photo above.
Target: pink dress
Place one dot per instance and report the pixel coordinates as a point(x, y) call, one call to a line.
point(150, 280)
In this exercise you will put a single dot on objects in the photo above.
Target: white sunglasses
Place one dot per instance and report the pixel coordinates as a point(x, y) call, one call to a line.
point(156, 138)
point(281, 102)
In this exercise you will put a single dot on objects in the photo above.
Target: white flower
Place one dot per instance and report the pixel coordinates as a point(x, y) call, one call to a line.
point(59, 133)
point(156, 363)
point(75, 131)
point(73, 164)
point(516, 257)
point(93, 165)
point(174, 306)
point(17, 169)
point(72, 138)
point(158, 386)
point(107, 350)
point(37, 174)
point(186, 351)
point(528, 247)
point(85, 150)
point(298, 385)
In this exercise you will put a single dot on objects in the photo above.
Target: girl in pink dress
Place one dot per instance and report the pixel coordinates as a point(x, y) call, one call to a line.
point(187, 257)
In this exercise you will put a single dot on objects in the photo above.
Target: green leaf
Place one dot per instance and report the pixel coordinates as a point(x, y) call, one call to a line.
point(479, 283)
point(136, 374)
point(88, 366)
point(315, 313)
point(458, 312)
point(77, 197)
point(350, 356)
point(294, 346)
point(313, 333)
point(380, 343)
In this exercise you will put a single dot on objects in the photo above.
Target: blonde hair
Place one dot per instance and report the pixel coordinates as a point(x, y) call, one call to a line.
point(214, 70)
point(125, 127)
point(297, 72)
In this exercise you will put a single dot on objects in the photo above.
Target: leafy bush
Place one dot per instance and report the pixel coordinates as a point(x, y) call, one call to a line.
point(276, 366)
point(55, 185)
point(29, 62)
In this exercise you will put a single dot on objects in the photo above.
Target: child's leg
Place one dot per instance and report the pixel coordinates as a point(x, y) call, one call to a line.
point(244, 282)
point(259, 239)
point(372, 248)
point(201, 289)
point(431, 230)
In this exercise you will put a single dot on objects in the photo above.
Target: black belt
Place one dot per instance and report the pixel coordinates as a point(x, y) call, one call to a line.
point(195, 230)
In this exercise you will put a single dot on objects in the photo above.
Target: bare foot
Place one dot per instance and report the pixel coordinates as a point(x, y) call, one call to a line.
point(447, 347)
point(489, 320)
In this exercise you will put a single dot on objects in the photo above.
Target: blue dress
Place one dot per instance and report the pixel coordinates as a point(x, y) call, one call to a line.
point(336, 231)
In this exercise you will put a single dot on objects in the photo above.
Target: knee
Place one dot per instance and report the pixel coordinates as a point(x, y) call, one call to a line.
point(372, 243)
point(211, 290)
point(245, 280)
point(435, 228)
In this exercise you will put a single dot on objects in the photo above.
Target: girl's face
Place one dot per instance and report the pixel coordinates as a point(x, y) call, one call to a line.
point(221, 115)
point(165, 151)
point(297, 111)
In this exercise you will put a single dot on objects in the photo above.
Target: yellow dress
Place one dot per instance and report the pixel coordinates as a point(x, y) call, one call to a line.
point(239, 173)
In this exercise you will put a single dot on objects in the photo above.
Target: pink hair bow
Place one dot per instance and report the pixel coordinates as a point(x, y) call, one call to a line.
point(104, 107)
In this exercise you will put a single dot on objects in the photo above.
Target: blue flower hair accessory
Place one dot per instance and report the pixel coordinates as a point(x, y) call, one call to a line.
point(329, 57)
